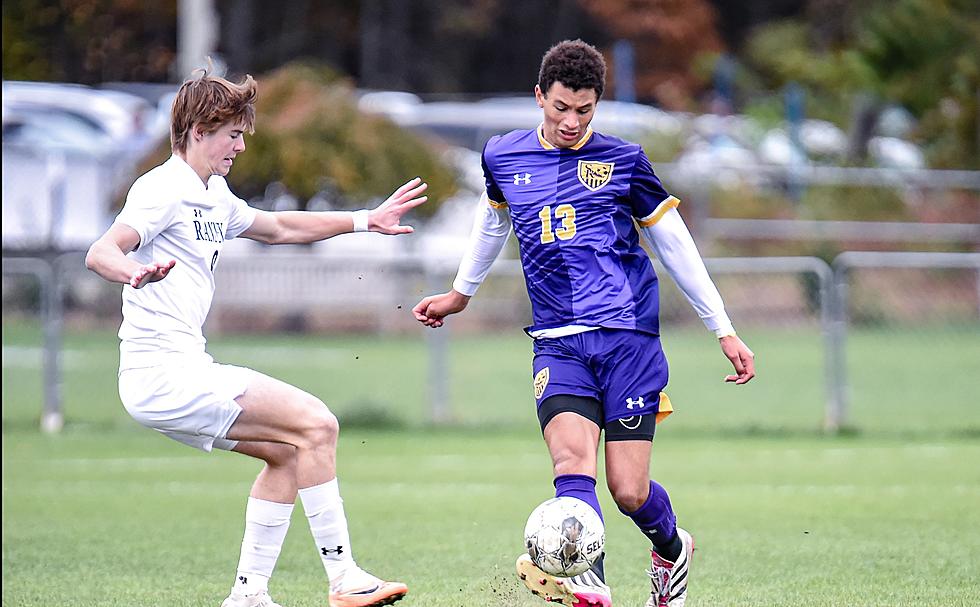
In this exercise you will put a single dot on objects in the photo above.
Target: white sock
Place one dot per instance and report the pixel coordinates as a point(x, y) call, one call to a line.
point(328, 525)
point(266, 524)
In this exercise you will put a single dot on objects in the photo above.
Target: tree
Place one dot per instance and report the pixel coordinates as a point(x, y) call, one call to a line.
point(311, 137)
point(668, 36)
point(925, 54)
point(922, 54)
point(89, 41)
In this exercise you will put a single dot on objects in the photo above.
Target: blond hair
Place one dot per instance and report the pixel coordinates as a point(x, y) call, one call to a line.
point(210, 101)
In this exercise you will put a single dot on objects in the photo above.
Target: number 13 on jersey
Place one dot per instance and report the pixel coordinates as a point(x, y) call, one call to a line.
point(566, 231)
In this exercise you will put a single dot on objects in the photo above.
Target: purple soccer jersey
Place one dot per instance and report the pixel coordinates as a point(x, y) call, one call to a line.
point(572, 211)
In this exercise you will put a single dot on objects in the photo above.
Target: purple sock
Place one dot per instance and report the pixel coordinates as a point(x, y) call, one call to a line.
point(578, 486)
point(655, 517)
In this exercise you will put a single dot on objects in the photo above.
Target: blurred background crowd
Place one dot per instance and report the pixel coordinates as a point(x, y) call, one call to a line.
point(355, 95)
point(801, 128)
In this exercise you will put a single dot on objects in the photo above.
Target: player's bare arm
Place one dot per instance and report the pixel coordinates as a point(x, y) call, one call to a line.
point(302, 227)
point(432, 310)
point(743, 359)
point(107, 258)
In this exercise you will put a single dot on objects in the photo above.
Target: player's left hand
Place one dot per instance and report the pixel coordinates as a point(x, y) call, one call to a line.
point(386, 218)
point(151, 272)
point(742, 359)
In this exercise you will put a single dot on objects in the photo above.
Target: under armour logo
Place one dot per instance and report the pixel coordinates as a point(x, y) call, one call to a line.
point(632, 422)
point(198, 213)
point(522, 178)
point(638, 403)
point(329, 551)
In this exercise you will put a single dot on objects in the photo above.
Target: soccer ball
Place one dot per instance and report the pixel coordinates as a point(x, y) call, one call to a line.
point(564, 536)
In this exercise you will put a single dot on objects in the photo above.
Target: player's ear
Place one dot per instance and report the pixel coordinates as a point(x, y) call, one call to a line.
point(538, 95)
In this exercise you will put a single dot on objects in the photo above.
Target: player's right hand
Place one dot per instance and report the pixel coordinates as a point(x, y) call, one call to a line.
point(151, 272)
point(433, 309)
point(741, 357)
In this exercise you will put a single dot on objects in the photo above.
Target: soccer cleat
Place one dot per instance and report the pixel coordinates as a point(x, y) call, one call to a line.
point(668, 580)
point(239, 599)
point(585, 590)
point(361, 589)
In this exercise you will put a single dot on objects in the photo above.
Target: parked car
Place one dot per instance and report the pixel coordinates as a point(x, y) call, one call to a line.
point(122, 116)
point(471, 123)
point(44, 127)
point(68, 151)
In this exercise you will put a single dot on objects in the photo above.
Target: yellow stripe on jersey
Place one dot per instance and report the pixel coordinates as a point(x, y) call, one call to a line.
point(497, 205)
point(665, 408)
point(585, 138)
point(658, 213)
point(544, 142)
point(578, 145)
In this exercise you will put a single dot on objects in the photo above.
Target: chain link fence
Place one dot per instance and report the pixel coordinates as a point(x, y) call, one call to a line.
point(908, 327)
point(879, 343)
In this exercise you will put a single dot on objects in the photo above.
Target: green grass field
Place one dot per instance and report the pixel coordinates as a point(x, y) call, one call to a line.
point(109, 513)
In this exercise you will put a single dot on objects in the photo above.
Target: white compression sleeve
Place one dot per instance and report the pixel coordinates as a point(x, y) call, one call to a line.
point(672, 242)
point(491, 227)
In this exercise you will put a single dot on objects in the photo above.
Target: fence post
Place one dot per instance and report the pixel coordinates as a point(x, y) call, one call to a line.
point(52, 416)
point(842, 264)
point(438, 344)
point(837, 349)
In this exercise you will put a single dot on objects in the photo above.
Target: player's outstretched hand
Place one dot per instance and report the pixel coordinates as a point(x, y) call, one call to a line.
point(387, 217)
point(742, 359)
point(151, 272)
point(433, 309)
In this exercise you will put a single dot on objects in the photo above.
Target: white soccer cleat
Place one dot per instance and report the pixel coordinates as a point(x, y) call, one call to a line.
point(668, 581)
point(358, 588)
point(585, 590)
point(240, 599)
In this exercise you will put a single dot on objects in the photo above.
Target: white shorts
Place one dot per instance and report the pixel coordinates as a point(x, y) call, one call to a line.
point(191, 401)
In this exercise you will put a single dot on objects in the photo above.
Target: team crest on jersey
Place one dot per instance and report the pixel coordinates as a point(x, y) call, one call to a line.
point(594, 174)
point(541, 382)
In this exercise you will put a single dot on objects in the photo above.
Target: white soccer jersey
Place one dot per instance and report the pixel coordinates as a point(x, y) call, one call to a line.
point(176, 217)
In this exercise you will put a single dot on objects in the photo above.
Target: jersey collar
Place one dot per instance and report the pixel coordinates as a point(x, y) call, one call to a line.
point(185, 170)
point(194, 189)
point(578, 145)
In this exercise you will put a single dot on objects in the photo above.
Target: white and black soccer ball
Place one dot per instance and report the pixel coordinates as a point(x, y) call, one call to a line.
point(564, 536)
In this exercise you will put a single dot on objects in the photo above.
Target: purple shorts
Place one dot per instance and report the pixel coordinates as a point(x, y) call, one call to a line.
point(624, 370)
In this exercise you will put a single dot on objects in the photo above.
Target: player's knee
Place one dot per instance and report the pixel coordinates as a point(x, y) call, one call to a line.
point(322, 428)
point(629, 496)
point(280, 455)
point(570, 461)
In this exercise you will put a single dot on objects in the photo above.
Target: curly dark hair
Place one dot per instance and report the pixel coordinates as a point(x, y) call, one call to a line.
point(575, 64)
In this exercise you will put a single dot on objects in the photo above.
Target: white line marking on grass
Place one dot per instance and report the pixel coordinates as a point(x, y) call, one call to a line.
point(127, 463)
point(850, 489)
point(29, 357)
point(281, 355)
point(847, 453)
point(441, 487)
point(455, 461)
point(136, 488)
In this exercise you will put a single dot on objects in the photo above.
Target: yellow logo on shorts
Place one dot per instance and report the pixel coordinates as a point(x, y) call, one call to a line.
point(541, 382)
point(594, 174)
